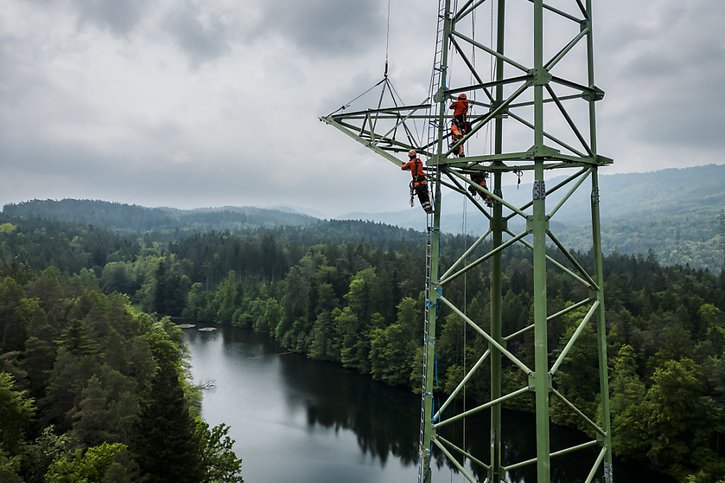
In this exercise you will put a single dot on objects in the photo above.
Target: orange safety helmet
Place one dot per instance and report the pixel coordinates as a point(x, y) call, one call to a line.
point(462, 95)
point(412, 153)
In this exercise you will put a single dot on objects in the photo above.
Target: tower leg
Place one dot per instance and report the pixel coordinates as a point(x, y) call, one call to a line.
point(541, 382)
point(496, 333)
point(601, 330)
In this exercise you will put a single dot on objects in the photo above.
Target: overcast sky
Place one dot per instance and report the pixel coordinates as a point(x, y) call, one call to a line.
point(196, 103)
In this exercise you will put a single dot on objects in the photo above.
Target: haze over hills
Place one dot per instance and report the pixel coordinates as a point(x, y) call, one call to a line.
point(134, 218)
point(673, 213)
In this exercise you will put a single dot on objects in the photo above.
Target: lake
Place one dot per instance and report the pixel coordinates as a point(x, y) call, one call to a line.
point(298, 420)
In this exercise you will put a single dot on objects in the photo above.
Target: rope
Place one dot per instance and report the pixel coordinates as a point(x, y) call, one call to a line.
point(465, 308)
point(395, 93)
point(387, 42)
point(345, 106)
point(385, 72)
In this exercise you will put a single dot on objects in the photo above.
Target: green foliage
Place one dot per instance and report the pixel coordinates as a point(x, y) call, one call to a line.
point(9, 468)
point(16, 409)
point(392, 348)
point(14, 314)
point(578, 375)
point(353, 352)
point(324, 342)
point(349, 292)
point(98, 369)
point(627, 392)
point(133, 218)
point(107, 409)
point(679, 421)
point(171, 287)
point(229, 296)
point(118, 277)
point(165, 441)
point(38, 455)
point(105, 463)
point(220, 463)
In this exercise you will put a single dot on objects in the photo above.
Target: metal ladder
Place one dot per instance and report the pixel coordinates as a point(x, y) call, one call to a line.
point(433, 132)
point(435, 82)
point(422, 450)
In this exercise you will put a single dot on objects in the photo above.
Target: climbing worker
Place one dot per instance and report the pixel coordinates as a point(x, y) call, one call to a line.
point(460, 108)
point(480, 180)
point(459, 123)
point(419, 184)
point(456, 134)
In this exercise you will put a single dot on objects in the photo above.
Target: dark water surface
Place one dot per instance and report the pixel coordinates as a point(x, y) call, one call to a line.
point(296, 420)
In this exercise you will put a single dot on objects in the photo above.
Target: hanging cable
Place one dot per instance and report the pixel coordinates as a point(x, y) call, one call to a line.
point(492, 70)
point(345, 106)
point(464, 232)
point(385, 71)
point(387, 43)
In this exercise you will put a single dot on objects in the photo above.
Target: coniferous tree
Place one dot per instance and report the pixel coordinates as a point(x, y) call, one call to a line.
point(15, 413)
point(164, 441)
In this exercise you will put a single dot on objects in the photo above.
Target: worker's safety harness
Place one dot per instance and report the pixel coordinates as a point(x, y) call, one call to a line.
point(415, 182)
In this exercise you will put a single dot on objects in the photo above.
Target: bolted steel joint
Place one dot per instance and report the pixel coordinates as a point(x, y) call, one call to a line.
point(504, 113)
point(539, 76)
point(585, 24)
point(594, 93)
point(539, 190)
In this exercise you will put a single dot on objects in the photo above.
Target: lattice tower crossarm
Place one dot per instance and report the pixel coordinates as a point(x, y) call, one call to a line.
point(559, 141)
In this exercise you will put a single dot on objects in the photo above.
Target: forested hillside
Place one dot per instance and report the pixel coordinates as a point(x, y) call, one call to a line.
point(357, 300)
point(138, 219)
point(674, 213)
point(91, 388)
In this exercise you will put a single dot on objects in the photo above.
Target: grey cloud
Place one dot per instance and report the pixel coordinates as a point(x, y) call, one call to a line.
point(120, 17)
point(61, 136)
point(647, 66)
point(680, 117)
point(200, 34)
point(326, 27)
point(665, 75)
point(358, 83)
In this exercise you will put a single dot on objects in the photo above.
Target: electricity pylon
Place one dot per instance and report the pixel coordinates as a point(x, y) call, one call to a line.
point(537, 104)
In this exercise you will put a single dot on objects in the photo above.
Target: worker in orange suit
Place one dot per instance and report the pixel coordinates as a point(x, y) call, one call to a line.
point(480, 179)
point(459, 123)
point(419, 184)
point(456, 134)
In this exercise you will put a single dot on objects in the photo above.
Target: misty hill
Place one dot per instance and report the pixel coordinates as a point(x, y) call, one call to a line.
point(43, 220)
point(673, 212)
point(134, 218)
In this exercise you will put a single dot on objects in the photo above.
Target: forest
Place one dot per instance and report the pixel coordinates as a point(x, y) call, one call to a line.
point(92, 388)
point(87, 317)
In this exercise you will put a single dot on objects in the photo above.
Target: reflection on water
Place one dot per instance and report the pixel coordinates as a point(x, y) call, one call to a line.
point(296, 420)
point(382, 418)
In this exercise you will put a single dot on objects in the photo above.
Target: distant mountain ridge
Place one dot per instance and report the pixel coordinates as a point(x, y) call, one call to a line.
point(672, 212)
point(133, 218)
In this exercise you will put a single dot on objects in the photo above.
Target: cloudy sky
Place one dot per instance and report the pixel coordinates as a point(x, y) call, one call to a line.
point(195, 103)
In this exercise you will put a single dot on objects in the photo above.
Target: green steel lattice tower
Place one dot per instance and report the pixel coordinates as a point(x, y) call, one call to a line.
point(535, 110)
